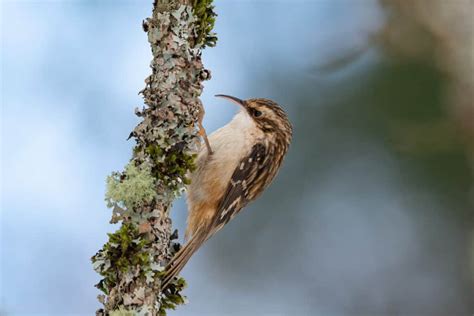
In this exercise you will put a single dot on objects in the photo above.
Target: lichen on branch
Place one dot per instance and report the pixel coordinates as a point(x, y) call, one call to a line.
point(132, 189)
point(205, 19)
point(132, 261)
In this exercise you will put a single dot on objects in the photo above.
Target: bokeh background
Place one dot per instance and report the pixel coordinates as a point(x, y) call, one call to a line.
point(371, 213)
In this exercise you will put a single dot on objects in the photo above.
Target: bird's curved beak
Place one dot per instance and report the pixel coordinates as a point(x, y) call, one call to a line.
point(233, 99)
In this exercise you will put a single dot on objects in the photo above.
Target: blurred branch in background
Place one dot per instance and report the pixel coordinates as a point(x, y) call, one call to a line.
point(133, 259)
point(441, 32)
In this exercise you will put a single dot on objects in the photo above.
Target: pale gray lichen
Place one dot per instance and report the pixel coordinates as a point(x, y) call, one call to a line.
point(122, 311)
point(131, 189)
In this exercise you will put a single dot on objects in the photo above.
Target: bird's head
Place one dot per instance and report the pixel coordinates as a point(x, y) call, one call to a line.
point(267, 115)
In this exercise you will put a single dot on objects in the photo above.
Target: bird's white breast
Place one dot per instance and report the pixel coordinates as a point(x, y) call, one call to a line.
point(230, 144)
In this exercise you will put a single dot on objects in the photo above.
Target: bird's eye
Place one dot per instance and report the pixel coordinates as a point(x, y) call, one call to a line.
point(257, 113)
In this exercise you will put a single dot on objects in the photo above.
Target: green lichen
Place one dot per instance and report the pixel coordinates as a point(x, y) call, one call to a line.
point(127, 253)
point(171, 167)
point(132, 189)
point(205, 18)
point(125, 250)
point(172, 297)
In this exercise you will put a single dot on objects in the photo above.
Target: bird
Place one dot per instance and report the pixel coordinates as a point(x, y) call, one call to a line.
point(237, 164)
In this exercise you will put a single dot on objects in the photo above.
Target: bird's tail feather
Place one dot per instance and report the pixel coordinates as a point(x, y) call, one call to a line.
point(180, 259)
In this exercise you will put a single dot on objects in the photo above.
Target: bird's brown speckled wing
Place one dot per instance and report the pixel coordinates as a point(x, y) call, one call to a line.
point(247, 182)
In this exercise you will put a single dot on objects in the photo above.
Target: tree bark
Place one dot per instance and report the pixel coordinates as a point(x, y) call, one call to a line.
point(132, 261)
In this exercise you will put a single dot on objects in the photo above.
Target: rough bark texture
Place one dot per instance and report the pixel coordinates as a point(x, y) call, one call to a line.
point(133, 259)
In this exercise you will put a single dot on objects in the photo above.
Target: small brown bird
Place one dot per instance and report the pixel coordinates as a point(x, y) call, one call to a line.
point(246, 155)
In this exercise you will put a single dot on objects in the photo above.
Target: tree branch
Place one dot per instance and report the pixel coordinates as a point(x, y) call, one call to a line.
point(133, 259)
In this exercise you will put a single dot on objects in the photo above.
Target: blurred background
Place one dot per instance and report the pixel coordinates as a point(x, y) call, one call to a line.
point(371, 213)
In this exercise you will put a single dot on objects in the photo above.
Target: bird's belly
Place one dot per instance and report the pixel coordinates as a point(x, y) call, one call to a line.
point(209, 182)
point(216, 169)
